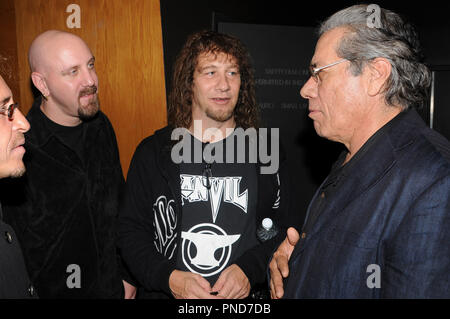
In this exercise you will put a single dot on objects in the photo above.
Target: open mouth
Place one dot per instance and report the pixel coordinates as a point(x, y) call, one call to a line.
point(88, 99)
point(87, 96)
point(88, 93)
point(221, 100)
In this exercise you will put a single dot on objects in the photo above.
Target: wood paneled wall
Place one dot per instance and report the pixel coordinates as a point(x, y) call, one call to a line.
point(126, 39)
point(8, 47)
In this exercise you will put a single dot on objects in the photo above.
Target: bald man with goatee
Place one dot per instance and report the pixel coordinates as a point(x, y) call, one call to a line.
point(66, 219)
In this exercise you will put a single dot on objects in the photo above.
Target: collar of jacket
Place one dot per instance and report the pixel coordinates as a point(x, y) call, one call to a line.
point(40, 134)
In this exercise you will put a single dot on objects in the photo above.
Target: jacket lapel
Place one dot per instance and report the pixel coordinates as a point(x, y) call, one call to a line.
point(362, 179)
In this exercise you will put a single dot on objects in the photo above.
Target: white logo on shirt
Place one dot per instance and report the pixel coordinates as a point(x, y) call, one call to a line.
point(165, 222)
point(226, 188)
point(206, 249)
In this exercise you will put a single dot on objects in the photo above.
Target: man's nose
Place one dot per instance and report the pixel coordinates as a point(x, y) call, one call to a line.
point(89, 78)
point(20, 122)
point(309, 89)
point(223, 83)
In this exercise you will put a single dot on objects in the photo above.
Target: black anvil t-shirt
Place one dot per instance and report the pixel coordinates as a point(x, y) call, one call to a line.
point(218, 218)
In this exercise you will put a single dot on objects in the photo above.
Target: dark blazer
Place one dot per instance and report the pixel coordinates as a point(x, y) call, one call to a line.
point(392, 212)
point(14, 281)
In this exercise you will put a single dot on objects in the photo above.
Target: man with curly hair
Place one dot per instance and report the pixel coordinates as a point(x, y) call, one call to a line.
point(188, 227)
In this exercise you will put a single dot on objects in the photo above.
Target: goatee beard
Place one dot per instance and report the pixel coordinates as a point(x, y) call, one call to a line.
point(88, 112)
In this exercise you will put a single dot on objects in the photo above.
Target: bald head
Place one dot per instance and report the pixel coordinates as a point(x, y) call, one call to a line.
point(62, 69)
point(49, 44)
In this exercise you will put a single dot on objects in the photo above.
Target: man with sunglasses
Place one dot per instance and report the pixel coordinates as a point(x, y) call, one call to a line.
point(188, 228)
point(379, 225)
point(64, 211)
point(14, 280)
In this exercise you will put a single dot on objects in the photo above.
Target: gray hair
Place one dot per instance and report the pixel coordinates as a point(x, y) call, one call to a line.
point(395, 40)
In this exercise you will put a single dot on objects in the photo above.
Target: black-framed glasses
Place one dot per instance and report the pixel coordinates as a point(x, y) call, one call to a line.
point(9, 110)
point(314, 72)
point(206, 175)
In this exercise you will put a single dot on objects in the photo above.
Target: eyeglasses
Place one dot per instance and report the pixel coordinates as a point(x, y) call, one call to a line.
point(9, 110)
point(207, 174)
point(314, 72)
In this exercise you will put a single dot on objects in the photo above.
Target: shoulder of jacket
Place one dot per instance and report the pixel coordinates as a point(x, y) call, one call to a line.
point(155, 142)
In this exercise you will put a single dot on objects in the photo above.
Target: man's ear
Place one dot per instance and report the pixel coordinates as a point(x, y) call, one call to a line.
point(379, 71)
point(39, 82)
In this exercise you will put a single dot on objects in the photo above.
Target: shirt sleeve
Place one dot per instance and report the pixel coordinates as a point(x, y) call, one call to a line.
point(136, 226)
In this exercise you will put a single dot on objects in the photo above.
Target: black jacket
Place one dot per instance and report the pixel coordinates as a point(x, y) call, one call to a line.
point(153, 189)
point(385, 231)
point(14, 281)
point(65, 210)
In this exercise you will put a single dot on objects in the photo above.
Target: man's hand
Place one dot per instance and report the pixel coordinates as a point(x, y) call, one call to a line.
point(187, 285)
point(232, 283)
point(278, 266)
point(130, 290)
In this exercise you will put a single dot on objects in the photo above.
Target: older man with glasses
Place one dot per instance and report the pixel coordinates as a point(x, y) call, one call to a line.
point(14, 280)
point(379, 225)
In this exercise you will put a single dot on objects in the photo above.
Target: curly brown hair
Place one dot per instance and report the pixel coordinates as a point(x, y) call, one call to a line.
point(245, 113)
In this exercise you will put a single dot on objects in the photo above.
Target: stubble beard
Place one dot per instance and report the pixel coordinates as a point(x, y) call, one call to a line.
point(19, 171)
point(19, 168)
point(220, 116)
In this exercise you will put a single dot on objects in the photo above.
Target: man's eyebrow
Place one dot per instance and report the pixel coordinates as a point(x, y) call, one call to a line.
point(6, 100)
point(208, 66)
point(213, 66)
